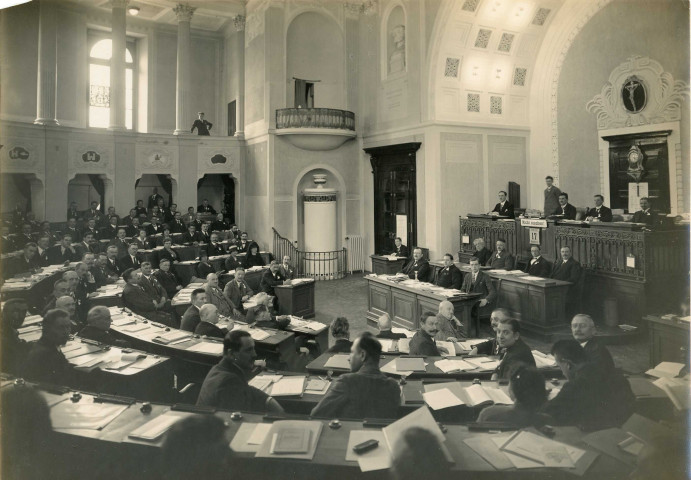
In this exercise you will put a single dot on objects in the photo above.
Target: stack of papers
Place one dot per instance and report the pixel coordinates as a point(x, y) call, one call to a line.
point(473, 396)
point(338, 361)
point(172, 336)
point(290, 439)
point(677, 389)
point(153, 429)
point(483, 363)
point(449, 347)
point(405, 331)
point(87, 416)
point(544, 360)
point(410, 364)
point(135, 327)
point(212, 348)
point(448, 366)
point(666, 370)
point(526, 449)
point(288, 386)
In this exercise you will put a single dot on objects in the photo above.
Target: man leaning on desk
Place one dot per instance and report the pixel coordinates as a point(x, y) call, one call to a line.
point(504, 208)
point(226, 385)
point(400, 250)
point(365, 392)
point(418, 268)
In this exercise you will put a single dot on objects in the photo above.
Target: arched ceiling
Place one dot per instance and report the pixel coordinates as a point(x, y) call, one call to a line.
point(483, 59)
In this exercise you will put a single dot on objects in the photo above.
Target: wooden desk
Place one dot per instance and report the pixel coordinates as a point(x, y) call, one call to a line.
point(382, 264)
point(185, 269)
point(405, 304)
point(296, 299)
point(669, 339)
point(41, 285)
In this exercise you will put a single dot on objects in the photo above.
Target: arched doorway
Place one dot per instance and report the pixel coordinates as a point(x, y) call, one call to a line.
point(219, 190)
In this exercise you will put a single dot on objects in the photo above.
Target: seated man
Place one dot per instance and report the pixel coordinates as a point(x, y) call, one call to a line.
point(232, 262)
point(565, 210)
point(384, 324)
point(92, 228)
point(155, 290)
point(46, 363)
point(215, 248)
point(449, 326)
point(261, 315)
point(237, 290)
point(593, 397)
point(449, 276)
point(243, 243)
point(400, 250)
point(167, 278)
point(569, 270)
point(504, 208)
point(219, 224)
point(25, 263)
point(226, 387)
point(203, 268)
point(418, 268)
point(191, 318)
point(110, 230)
point(60, 289)
point(130, 260)
point(190, 237)
point(422, 342)
point(140, 302)
point(501, 259)
point(72, 230)
point(646, 214)
point(285, 269)
point(513, 350)
point(340, 331)
point(59, 254)
point(491, 346)
point(98, 328)
point(121, 243)
point(478, 281)
point(364, 393)
point(177, 225)
point(599, 212)
point(43, 243)
point(583, 331)
point(13, 350)
point(271, 278)
point(112, 265)
point(69, 305)
point(538, 266)
point(208, 315)
point(215, 296)
point(205, 207)
point(205, 233)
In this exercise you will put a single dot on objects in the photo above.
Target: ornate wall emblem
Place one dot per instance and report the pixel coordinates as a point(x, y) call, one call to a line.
point(86, 158)
point(91, 156)
point(634, 94)
point(18, 153)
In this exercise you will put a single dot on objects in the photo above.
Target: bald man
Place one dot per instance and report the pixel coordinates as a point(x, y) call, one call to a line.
point(384, 324)
point(449, 325)
point(209, 318)
point(583, 331)
point(98, 328)
point(69, 305)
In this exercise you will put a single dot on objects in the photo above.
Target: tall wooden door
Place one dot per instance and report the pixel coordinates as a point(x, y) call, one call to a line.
point(395, 199)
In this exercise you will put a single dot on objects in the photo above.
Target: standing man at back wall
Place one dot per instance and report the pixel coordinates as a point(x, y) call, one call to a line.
point(552, 193)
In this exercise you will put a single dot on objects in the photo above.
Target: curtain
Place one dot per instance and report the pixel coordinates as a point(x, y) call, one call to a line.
point(100, 188)
point(167, 185)
point(22, 186)
point(300, 93)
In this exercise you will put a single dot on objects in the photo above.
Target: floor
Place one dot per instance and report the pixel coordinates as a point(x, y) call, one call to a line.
point(348, 298)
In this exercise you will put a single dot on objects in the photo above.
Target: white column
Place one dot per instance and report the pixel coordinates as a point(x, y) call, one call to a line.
point(183, 121)
point(239, 23)
point(47, 57)
point(117, 65)
point(320, 228)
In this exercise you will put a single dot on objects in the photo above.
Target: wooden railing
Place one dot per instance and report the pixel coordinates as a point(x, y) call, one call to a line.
point(489, 231)
point(331, 265)
point(315, 118)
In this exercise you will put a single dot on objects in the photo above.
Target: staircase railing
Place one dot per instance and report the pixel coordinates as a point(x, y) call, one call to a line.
point(331, 265)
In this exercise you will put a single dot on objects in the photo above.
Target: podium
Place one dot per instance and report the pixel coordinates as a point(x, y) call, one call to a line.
point(296, 299)
point(382, 264)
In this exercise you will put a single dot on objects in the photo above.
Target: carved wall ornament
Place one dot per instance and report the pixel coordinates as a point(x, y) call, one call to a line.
point(639, 92)
point(217, 160)
point(22, 156)
point(239, 23)
point(90, 158)
point(155, 159)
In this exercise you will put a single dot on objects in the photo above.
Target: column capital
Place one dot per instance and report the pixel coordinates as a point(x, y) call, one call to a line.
point(119, 3)
point(239, 23)
point(184, 12)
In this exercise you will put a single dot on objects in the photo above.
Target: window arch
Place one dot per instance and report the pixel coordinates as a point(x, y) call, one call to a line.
point(100, 54)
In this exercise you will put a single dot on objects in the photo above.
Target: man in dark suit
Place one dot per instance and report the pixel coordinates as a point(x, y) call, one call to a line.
point(130, 260)
point(93, 212)
point(140, 209)
point(7, 244)
point(140, 302)
point(154, 197)
point(286, 269)
point(565, 210)
point(112, 265)
point(95, 269)
point(72, 212)
point(13, 350)
point(232, 262)
point(110, 231)
point(191, 317)
point(46, 363)
point(513, 350)
point(177, 226)
point(207, 326)
point(73, 230)
point(215, 248)
point(237, 290)
point(599, 212)
point(24, 237)
point(491, 346)
point(151, 285)
point(583, 331)
point(26, 263)
point(567, 268)
point(422, 342)
point(43, 244)
point(504, 208)
point(594, 397)
point(121, 243)
point(646, 214)
point(538, 266)
point(110, 213)
point(226, 385)
point(155, 227)
point(205, 233)
point(478, 282)
point(384, 324)
point(91, 228)
point(449, 276)
point(167, 278)
point(501, 259)
point(132, 230)
point(131, 216)
point(62, 253)
point(97, 328)
point(400, 250)
point(481, 252)
point(170, 213)
point(205, 207)
point(87, 245)
point(202, 126)
point(243, 243)
point(270, 279)
point(418, 268)
point(346, 397)
point(219, 225)
point(191, 237)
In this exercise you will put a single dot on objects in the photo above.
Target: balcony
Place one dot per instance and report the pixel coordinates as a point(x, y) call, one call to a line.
point(316, 129)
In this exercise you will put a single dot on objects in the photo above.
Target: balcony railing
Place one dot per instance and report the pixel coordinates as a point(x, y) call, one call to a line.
point(315, 118)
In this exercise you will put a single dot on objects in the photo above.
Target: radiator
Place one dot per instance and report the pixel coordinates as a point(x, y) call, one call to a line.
point(355, 244)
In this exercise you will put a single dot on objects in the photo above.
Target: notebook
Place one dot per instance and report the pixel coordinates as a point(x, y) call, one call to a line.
point(410, 364)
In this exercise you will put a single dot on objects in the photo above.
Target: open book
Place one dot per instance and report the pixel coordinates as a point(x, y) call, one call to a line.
point(473, 396)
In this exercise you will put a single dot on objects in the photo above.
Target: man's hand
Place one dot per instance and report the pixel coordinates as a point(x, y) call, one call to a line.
point(483, 302)
point(451, 339)
point(443, 350)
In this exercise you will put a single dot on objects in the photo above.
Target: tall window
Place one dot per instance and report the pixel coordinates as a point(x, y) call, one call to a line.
point(99, 84)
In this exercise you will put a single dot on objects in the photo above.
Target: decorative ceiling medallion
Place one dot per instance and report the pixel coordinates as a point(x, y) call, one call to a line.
point(451, 69)
point(482, 39)
point(519, 75)
point(541, 16)
point(506, 42)
point(470, 5)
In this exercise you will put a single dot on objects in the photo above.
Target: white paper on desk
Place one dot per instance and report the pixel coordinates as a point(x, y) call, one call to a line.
point(71, 346)
point(144, 363)
point(447, 366)
point(287, 386)
point(338, 361)
point(153, 429)
point(442, 398)
point(258, 335)
point(483, 363)
point(259, 434)
point(548, 451)
point(391, 368)
point(121, 321)
point(376, 459)
point(31, 336)
point(212, 348)
point(666, 369)
point(89, 416)
point(260, 383)
point(404, 331)
point(404, 345)
point(387, 345)
point(448, 346)
point(137, 327)
point(32, 320)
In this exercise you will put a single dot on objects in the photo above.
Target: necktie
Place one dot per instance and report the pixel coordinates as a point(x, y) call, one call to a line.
point(474, 277)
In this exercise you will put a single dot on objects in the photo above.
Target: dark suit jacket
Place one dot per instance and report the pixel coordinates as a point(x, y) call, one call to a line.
point(190, 319)
point(423, 344)
point(449, 277)
point(127, 262)
point(170, 255)
point(13, 351)
point(569, 212)
point(121, 245)
point(152, 287)
point(232, 263)
point(108, 232)
point(168, 280)
point(505, 210)
point(569, 271)
point(57, 257)
point(518, 353)
point(153, 199)
point(177, 227)
point(100, 276)
point(541, 267)
point(18, 265)
point(401, 251)
point(648, 217)
point(217, 226)
point(47, 364)
point(287, 273)
point(201, 270)
point(605, 214)
point(7, 244)
point(188, 239)
point(269, 281)
point(75, 232)
point(215, 297)
point(341, 346)
point(209, 329)
point(490, 347)
point(234, 293)
point(345, 398)
point(482, 285)
point(598, 354)
point(422, 268)
point(226, 387)
point(506, 261)
point(142, 244)
point(153, 229)
point(483, 255)
point(253, 260)
point(215, 250)
point(206, 209)
point(243, 248)
point(113, 268)
point(136, 298)
point(102, 336)
point(83, 248)
point(390, 335)
point(42, 257)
